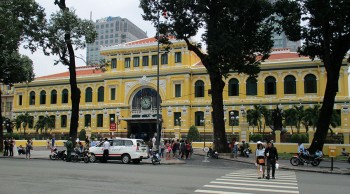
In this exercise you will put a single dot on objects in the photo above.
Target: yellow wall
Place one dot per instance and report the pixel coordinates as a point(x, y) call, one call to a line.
point(127, 81)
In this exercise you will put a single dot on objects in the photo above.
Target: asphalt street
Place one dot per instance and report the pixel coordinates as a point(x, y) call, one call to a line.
point(216, 176)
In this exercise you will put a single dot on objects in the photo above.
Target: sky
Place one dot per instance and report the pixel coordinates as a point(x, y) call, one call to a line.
point(44, 65)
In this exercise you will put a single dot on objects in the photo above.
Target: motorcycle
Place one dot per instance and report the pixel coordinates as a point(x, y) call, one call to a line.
point(55, 154)
point(300, 159)
point(79, 156)
point(213, 153)
point(155, 157)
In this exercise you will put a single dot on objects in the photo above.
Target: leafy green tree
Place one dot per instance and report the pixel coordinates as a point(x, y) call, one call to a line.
point(290, 118)
point(20, 21)
point(326, 35)
point(236, 33)
point(299, 115)
point(23, 120)
point(82, 135)
point(193, 134)
point(65, 33)
point(44, 123)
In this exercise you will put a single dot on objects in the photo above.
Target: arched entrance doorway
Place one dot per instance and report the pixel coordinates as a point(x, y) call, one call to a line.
point(143, 121)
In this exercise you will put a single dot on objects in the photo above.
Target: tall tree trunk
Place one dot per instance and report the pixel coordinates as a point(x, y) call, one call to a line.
point(1, 129)
point(75, 91)
point(220, 140)
point(326, 110)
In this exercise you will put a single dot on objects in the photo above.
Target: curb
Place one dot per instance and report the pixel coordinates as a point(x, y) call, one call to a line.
point(288, 168)
point(18, 158)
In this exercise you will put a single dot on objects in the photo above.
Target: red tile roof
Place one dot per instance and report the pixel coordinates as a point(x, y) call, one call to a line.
point(81, 72)
point(145, 40)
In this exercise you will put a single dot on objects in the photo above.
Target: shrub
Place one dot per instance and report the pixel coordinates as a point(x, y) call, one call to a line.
point(301, 137)
point(193, 134)
point(256, 137)
point(82, 134)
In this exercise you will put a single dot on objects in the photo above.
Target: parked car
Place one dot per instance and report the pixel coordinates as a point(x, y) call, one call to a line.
point(123, 149)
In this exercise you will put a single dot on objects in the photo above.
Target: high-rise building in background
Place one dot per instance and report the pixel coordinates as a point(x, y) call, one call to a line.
point(281, 40)
point(112, 31)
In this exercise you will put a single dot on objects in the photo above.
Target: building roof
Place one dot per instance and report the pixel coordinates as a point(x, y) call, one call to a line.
point(81, 72)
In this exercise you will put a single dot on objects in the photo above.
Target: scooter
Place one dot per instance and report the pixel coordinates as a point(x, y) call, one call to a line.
point(79, 156)
point(55, 155)
point(300, 159)
point(155, 157)
point(213, 153)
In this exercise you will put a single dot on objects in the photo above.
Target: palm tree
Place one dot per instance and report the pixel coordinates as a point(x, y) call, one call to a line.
point(256, 115)
point(44, 123)
point(311, 117)
point(290, 118)
point(300, 114)
point(24, 120)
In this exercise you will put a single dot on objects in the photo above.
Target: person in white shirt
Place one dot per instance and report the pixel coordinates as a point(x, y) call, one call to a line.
point(106, 146)
point(260, 159)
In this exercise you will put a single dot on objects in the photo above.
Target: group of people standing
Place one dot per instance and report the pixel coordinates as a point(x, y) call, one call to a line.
point(10, 146)
point(175, 149)
point(266, 157)
point(12, 150)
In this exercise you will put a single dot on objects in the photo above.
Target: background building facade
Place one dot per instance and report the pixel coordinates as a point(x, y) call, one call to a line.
point(125, 94)
point(111, 31)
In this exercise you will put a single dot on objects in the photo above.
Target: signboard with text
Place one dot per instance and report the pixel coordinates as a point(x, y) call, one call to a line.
point(112, 126)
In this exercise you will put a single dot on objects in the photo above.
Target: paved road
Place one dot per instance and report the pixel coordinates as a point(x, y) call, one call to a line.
point(217, 176)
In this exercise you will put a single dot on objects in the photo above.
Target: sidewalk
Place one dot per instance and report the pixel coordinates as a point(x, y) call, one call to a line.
point(43, 154)
point(339, 167)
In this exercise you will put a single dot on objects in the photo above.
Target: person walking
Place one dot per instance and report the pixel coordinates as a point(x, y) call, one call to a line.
point(271, 159)
point(29, 146)
point(106, 146)
point(260, 159)
point(69, 146)
point(7, 147)
point(53, 141)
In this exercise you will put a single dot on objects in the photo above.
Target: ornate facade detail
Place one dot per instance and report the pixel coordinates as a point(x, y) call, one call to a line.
point(144, 80)
point(128, 86)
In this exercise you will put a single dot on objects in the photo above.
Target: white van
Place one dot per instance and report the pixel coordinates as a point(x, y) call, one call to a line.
point(123, 149)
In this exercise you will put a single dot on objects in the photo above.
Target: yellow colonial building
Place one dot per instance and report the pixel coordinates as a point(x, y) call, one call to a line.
point(125, 94)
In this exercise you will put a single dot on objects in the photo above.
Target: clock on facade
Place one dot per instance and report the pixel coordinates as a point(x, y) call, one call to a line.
point(146, 102)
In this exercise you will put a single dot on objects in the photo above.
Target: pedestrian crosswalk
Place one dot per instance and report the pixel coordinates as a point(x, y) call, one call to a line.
point(246, 182)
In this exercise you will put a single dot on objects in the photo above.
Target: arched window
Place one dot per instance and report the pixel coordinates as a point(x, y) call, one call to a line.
point(32, 98)
point(65, 96)
point(87, 120)
point(88, 94)
point(233, 87)
point(199, 88)
point(251, 85)
point(53, 97)
point(43, 97)
point(270, 85)
point(290, 85)
point(198, 116)
point(310, 84)
point(100, 94)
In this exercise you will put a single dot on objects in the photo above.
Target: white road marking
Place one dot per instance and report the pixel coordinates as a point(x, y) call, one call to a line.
point(251, 189)
point(217, 192)
point(255, 181)
point(252, 185)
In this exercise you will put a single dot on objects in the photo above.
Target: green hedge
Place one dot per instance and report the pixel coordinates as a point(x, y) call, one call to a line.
point(301, 137)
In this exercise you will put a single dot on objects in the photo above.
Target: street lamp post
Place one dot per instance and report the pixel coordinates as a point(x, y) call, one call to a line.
point(233, 118)
point(203, 121)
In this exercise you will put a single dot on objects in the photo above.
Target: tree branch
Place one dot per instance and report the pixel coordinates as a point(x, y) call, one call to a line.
point(196, 50)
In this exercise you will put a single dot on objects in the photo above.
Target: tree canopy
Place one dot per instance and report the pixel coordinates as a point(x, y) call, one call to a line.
point(20, 21)
point(326, 35)
point(237, 34)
